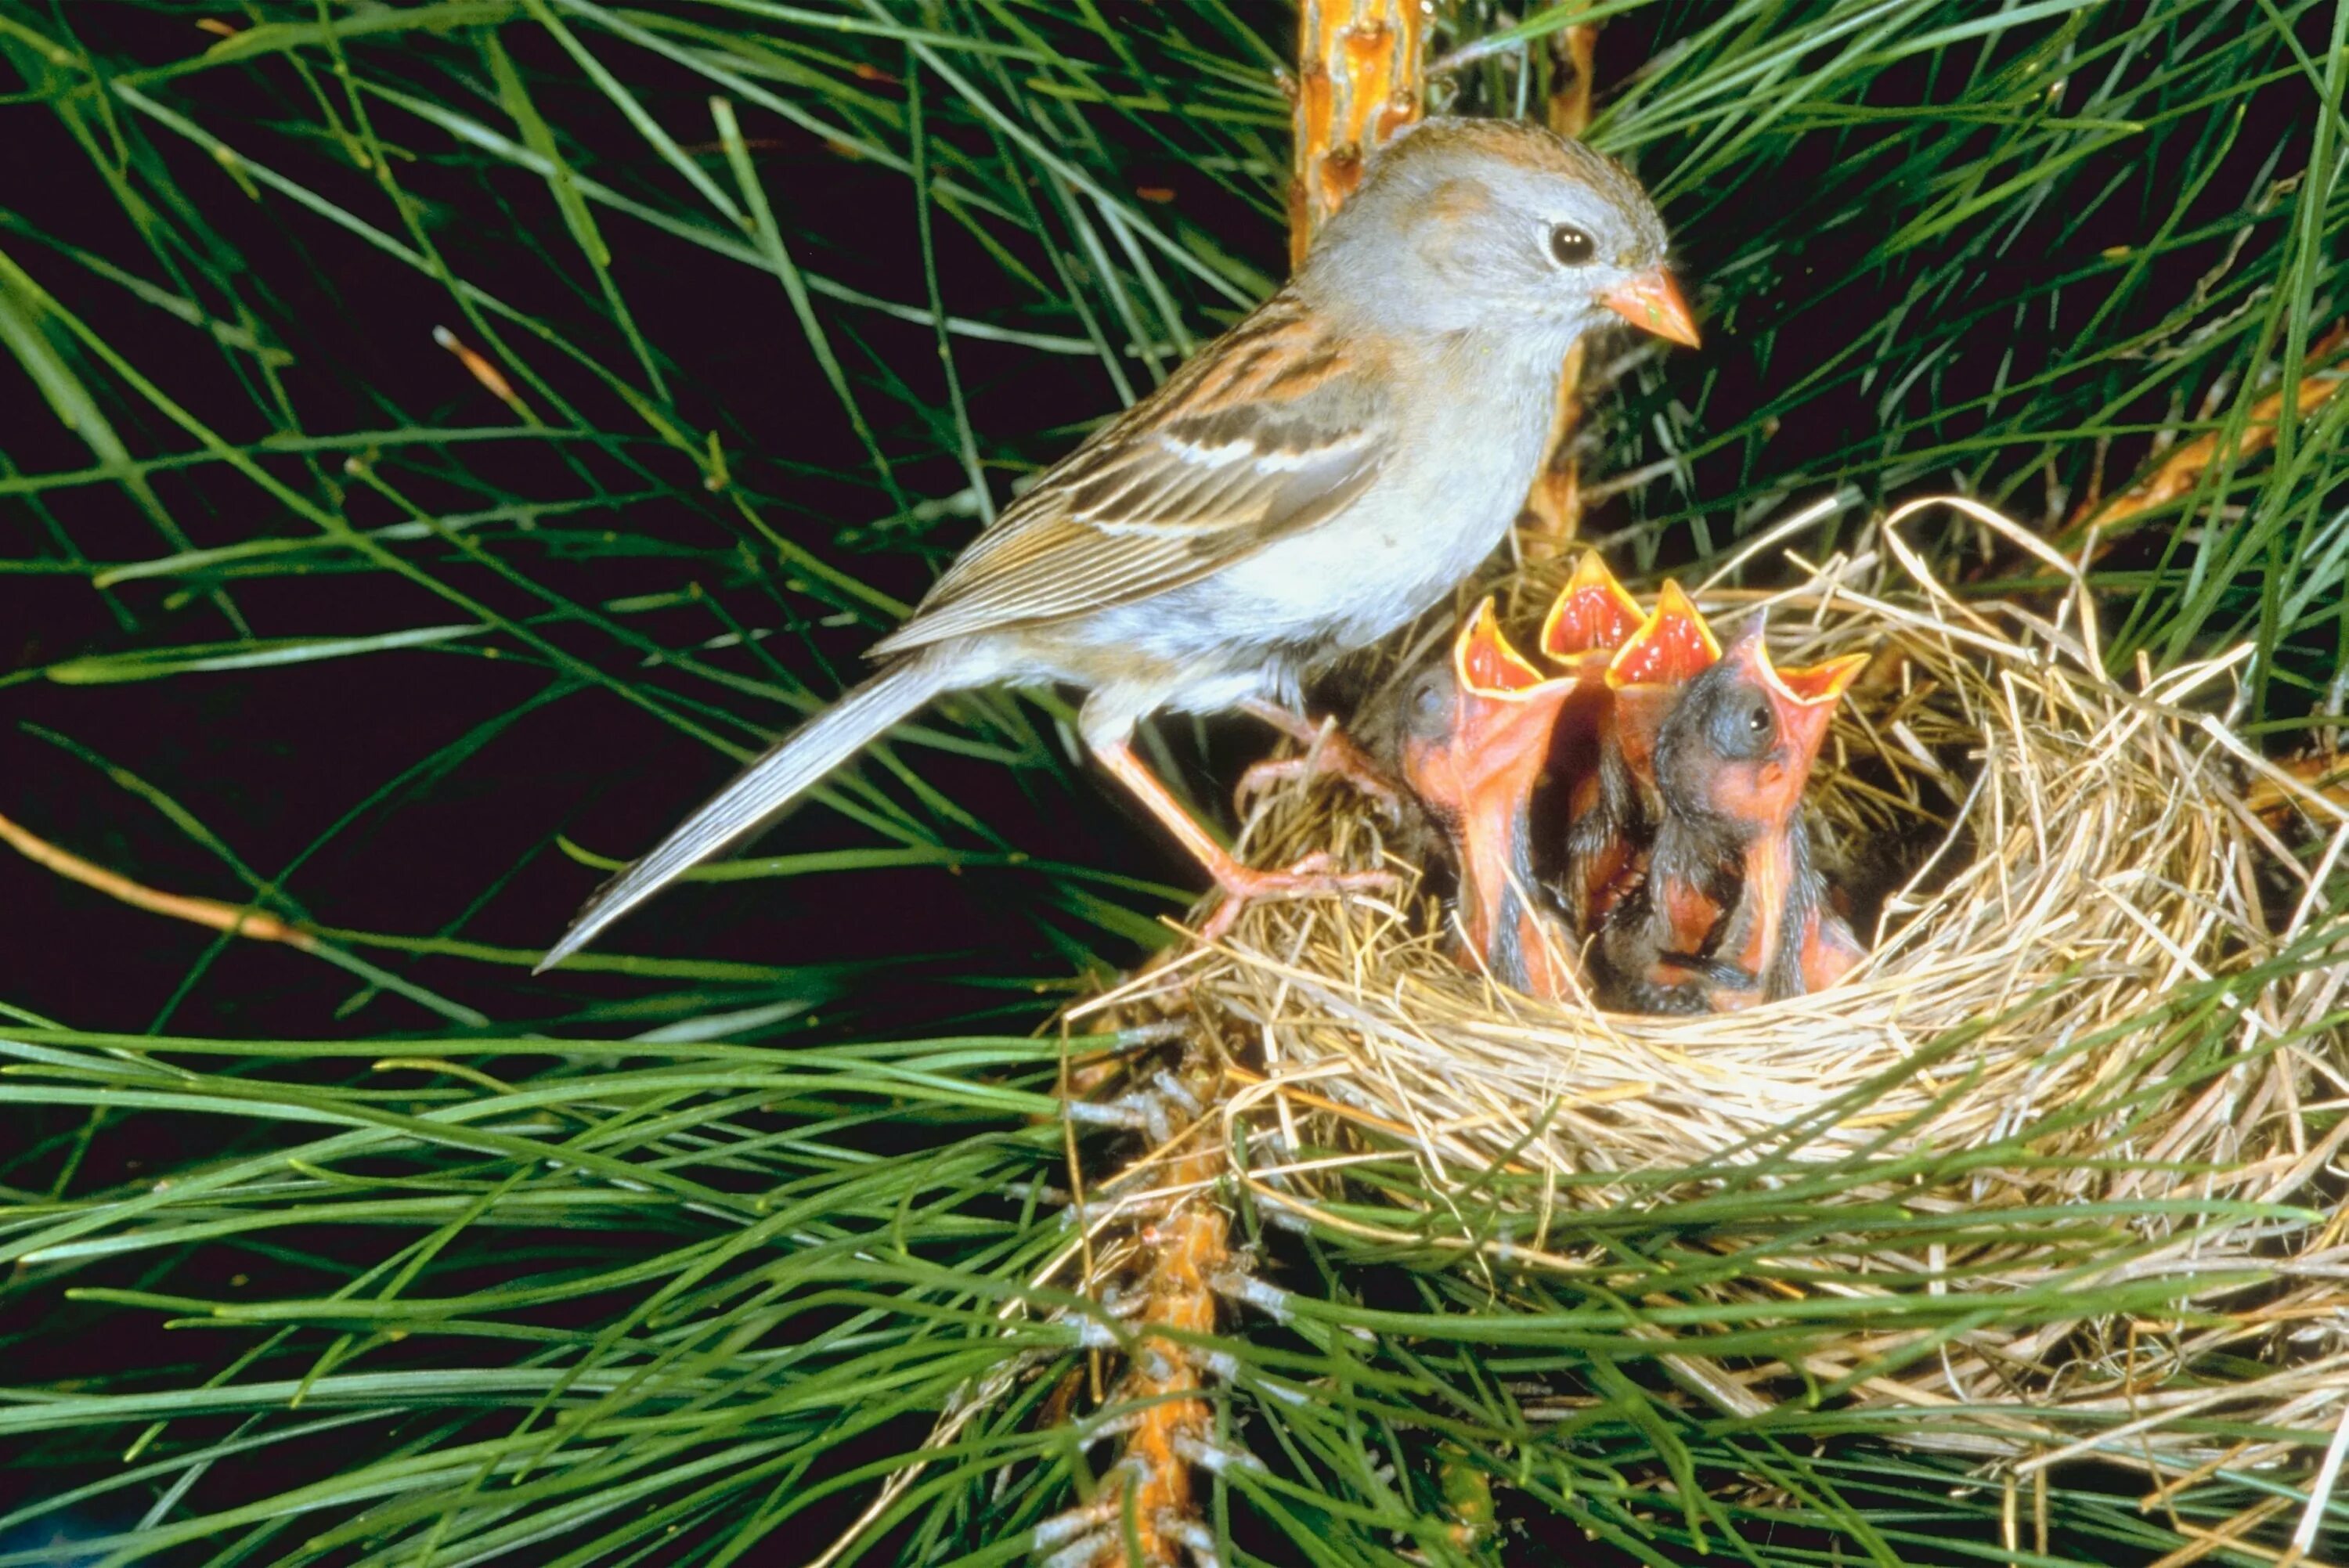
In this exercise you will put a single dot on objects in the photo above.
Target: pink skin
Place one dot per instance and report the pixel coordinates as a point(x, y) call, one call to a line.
point(1830, 950)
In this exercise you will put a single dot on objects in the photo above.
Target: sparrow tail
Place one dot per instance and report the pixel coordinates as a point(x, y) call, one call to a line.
point(762, 790)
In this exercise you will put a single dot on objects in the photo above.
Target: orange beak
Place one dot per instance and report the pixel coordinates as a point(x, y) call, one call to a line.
point(1671, 645)
point(1593, 614)
point(1804, 696)
point(1803, 699)
point(1501, 737)
point(1486, 762)
point(1813, 685)
point(1654, 304)
point(1485, 661)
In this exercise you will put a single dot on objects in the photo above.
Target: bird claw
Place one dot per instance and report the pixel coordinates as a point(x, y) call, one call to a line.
point(1308, 878)
point(1336, 757)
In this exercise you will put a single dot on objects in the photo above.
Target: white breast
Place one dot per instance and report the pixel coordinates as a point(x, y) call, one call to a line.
point(1443, 500)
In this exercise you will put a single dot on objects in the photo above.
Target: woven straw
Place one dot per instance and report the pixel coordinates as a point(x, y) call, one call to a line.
point(2083, 891)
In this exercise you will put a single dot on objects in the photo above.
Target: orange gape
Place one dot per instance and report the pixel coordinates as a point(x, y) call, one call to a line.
point(1360, 65)
point(1476, 740)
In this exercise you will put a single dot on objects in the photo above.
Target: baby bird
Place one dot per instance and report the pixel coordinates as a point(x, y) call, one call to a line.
point(1730, 901)
point(1475, 737)
point(1611, 826)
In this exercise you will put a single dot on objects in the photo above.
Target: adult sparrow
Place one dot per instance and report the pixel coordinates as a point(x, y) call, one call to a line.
point(1722, 917)
point(1474, 738)
point(1309, 481)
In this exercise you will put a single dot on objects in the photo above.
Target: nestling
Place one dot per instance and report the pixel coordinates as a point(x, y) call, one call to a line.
point(1593, 615)
point(1729, 899)
point(1474, 733)
point(1311, 481)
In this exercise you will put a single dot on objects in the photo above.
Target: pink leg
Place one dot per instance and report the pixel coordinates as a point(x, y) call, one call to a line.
point(1240, 883)
point(1327, 750)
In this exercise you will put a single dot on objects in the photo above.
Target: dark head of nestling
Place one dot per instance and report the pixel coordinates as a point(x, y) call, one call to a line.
point(1739, 745)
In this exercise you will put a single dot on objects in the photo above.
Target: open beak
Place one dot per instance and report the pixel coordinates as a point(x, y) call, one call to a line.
point(1821, 684)
point(1483, 774)
point(1805, 695)
point(1485, 662)
point(1803, 699)
point(1652, 302)
point(1498, 734)
point(1593, 614)
point(1507, 710)
point(1671, 645)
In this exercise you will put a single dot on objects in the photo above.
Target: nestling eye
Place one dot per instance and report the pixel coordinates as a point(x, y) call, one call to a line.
point(1757, 718)
point(1571, 246)
point(1429, 708)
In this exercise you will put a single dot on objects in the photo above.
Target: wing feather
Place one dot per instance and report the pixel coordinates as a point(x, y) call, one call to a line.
point(1267, 431)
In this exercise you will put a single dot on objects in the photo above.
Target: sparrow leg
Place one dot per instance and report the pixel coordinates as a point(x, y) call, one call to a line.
point(1327, 750)
point(1240, 883)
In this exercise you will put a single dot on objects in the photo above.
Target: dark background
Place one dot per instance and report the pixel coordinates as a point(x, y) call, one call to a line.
point(1912, 280)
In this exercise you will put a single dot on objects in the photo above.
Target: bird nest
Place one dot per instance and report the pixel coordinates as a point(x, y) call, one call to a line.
point(2092, 981)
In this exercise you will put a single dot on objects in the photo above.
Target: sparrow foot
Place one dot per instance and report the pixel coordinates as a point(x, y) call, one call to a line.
point(1362, 774)
point(1308, 878)
point(1240, 883)
point(1328, 751)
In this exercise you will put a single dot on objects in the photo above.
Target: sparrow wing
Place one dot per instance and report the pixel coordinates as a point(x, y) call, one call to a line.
point(1270, 430)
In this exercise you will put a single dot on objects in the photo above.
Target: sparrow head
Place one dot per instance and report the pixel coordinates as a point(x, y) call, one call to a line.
point(1477, 727)
point(1493, 225)
point(1740, 743)
point(1592, 616)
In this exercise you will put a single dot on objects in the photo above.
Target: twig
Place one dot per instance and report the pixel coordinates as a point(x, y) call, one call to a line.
point(1360, 68)
point(2182, 468)
point(234, 919)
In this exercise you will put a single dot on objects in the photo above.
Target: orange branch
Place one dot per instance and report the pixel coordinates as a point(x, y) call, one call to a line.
point(1175, 1256)
point(1553, 511)
point(2182, 468)
point(2323, 773)
point(1361, 71)
point(258, 924)
point(1187, 1247)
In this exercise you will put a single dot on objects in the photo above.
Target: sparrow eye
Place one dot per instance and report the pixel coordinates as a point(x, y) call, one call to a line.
point(1757, 718)
point(1571, 246)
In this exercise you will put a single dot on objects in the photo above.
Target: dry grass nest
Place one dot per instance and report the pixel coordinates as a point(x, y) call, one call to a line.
point(2094, 958)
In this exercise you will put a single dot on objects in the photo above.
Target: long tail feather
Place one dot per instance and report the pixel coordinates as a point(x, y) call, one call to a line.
point(764, 789)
